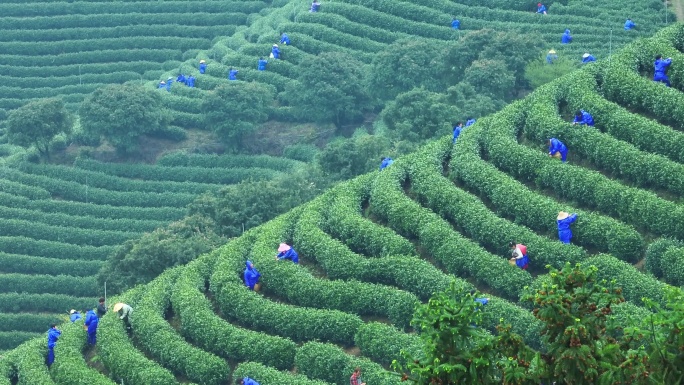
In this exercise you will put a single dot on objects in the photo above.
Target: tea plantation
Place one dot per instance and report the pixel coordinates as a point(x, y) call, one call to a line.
point(374, 247)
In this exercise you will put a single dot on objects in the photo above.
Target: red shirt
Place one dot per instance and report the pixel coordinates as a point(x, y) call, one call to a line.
point(355, 379)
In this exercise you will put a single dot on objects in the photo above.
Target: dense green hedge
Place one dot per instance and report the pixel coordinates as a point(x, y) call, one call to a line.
point(120, 19)
point(384, 343)
point(47, 303)
point(26, 322)
point(459, 255)
point(475, 220)
point(314, 46)
point(53, 8)
point(301, 288)
point(342, 24)
point(124, 362)
point(665, 259)
point(73, 235)
point(158, 55)
point(28, 363)
point(158, 214)
point(10, 340)
point(335, 37)
point(55, 284)
point(30, 36)
point(265, 375)
point(168, 348)
point(50, 249)
point(514, 200)
point(25, 264)
point(178, 174)
point(105, 224)
point(30, 192)
point(182, 159)
point(329, 363)
point(70, 368)
point(204, 328)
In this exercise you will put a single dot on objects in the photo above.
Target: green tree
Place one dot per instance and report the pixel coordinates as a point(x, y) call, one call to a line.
point(407, 64)
point(666, 339)
point(234, 109)
point(420, 114)
point(346, 158)
point(331, 89)
point(539, 72)
point(122, 113)
point(472, 103)
point(491, 78)
point(37, 123)
point(141, 260)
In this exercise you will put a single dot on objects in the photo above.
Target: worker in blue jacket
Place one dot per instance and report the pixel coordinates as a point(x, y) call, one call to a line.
point(248, 381)
point(181, 79)
point(74, 315)
point(262, 64)
point(660, 73)
point(385, 162)
point(251, 275)
point(190, 81)
point(168, 83)
point(470, 122)
point(541, 8)
point(588, 58)
point(202, 66)
point(557, 149)
point(564, 220)
point(629, 24)
point(284, 39)
point(583, 117)
point(566, 38)
point(455, 23)
point(232, 74)
point(275, 51)
point(315, 6)
point(162, 85)
point(91, 321)
point(481, 301)
point(52, 337)
point(285, 251)
point(551, 56)
point(457, 131)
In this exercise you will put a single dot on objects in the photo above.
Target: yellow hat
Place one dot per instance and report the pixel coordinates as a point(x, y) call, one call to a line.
point(118, 306)
point(552, 51)
point(562, 215)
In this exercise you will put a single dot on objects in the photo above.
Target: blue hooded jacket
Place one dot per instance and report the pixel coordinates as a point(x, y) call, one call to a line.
point(455, 24)
point(180, 79)
point(470, 122)
point(262, 64)
point(91, 320)
point(558, 146)
point(541, 9)
point(232, 75)
point(75, 317)
point(275, 51)
point(52, 337)
point(588, 59)
point(315, 7)
point(457, 132)
point(564, 231)
point(566, 38)
point(284, 39)
point(249, 381)
point(190, 81)
point(386, 163)
point(629, 24)
point(661, 65)
point(290, 254)
point(203, 68)
point(585, 119)
point(482, 301)
point(251, 275)
point(162, 85)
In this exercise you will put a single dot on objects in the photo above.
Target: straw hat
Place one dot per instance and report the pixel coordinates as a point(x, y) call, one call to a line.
point(72, 311)
point(162, 82)
point(552, 51)
point(275, 45)
point(118, 306)
point(283, 247)
point(562, 215)
point(586, 55)
point(202, 62)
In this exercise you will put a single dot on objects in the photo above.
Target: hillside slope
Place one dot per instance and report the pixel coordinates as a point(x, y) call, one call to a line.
point(373, 247)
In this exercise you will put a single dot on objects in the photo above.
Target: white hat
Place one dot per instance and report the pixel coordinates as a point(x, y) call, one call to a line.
point(72, 311)
point(586, 55)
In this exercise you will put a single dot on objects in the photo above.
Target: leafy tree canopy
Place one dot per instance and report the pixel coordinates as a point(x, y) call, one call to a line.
point(37, 122)
point(331, 89)
point(122, 113)
point(234, 109)
point(346, 158)
point(420, 114)
point(407, 64)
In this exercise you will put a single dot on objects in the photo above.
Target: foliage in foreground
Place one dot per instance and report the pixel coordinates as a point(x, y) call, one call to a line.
point(583, 342)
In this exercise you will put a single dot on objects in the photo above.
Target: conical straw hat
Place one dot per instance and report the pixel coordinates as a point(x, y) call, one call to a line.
point(562, 215)
point(118, 306)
